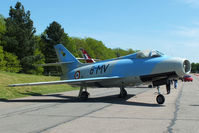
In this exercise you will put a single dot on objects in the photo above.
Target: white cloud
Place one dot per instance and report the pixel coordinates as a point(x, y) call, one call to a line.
point(187, 49)
point(192, 44)
point(192, 3)
point(189, 32)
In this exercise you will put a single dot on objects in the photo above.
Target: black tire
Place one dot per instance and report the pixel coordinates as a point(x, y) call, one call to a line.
point(150, 86)
point(84, 95)
point(160, 99)
point(123, 94)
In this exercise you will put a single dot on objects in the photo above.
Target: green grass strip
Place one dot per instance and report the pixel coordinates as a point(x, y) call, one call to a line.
point(7, 78)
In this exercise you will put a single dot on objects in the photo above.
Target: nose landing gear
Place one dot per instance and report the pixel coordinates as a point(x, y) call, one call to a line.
point(160, 98)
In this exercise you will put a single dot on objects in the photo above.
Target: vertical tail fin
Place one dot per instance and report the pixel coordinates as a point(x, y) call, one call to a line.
point(86, 56)
point(64, 55)
point(68, 61)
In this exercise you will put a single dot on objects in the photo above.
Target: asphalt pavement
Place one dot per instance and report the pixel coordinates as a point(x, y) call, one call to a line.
point(104, 111)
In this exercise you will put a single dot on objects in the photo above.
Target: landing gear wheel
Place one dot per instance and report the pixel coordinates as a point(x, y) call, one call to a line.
point(123, 93)
point(84, 95)
point(160, 99)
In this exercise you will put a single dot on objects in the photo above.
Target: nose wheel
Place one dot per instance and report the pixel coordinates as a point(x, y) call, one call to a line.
point(160, 98)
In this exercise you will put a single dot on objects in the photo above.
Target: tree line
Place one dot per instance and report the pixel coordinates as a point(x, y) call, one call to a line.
point(22, 51)
point(195, 67)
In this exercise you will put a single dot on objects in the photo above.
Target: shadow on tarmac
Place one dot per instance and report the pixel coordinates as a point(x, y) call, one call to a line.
point(32, 93)
point(112, 99)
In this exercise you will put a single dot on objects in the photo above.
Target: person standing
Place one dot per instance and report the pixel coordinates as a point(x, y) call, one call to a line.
point(168, 86)
point(175, 83)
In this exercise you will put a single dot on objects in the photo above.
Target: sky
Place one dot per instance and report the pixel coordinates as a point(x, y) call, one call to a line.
point(169, 26)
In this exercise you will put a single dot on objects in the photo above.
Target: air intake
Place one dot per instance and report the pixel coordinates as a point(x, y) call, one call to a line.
point(187, 66)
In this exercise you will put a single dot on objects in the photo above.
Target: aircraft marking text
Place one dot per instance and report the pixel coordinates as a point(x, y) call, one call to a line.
point(99, 69)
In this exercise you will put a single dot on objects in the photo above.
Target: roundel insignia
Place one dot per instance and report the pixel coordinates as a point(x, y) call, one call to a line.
point(77, 75)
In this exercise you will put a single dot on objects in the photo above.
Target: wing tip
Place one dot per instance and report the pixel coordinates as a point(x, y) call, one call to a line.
point(11, 86)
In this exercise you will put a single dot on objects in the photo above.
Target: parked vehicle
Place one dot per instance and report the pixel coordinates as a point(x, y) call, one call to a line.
point(187, 78)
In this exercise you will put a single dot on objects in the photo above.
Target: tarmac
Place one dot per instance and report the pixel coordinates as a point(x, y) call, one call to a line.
point(105, 112)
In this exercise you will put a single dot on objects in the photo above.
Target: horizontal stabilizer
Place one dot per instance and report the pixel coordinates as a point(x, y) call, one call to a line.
point(73, 81)
point(56, 64)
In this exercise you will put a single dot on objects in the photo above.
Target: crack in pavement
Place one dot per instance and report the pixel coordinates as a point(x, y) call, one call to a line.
point(77, 117)
point(177, 108)
point(23, 111)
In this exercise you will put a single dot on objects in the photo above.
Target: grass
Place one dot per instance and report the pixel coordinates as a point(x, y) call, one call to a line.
point(7, 78)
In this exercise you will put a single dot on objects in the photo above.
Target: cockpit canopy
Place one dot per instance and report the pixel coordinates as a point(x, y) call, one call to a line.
point(148, 54)
point(143, 54)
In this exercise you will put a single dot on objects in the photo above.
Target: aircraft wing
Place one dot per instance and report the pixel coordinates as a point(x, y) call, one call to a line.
point(72, 81)
point(84, 59)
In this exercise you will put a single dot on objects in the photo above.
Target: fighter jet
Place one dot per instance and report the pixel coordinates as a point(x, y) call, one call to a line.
point(143, 67)
point(86, 57)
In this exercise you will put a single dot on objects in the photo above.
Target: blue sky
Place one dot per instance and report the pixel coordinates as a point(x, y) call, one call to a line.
point(170, 26)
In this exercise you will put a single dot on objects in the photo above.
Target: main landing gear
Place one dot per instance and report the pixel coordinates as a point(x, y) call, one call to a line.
point(160, 98)
point(83, 94)
point(123, 92)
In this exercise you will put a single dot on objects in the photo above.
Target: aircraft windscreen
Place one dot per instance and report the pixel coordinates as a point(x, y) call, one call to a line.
point(148, 54)
point(155, 54)
point(143, 54)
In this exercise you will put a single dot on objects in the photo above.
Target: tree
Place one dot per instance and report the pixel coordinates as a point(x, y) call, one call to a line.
point(8, 62)
point(121, 52)
point(20, 37)
point(96, 48)
point(2, 28)
point(12, 63)
point(2, 61)
point(100, 51)
point(78, 43)
point(130, 51)
point(194, 67)
point(54, 34)
point(40, 56)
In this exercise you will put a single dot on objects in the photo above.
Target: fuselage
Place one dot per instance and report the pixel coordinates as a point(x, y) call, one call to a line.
point(132, 71)
point(149, 66)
